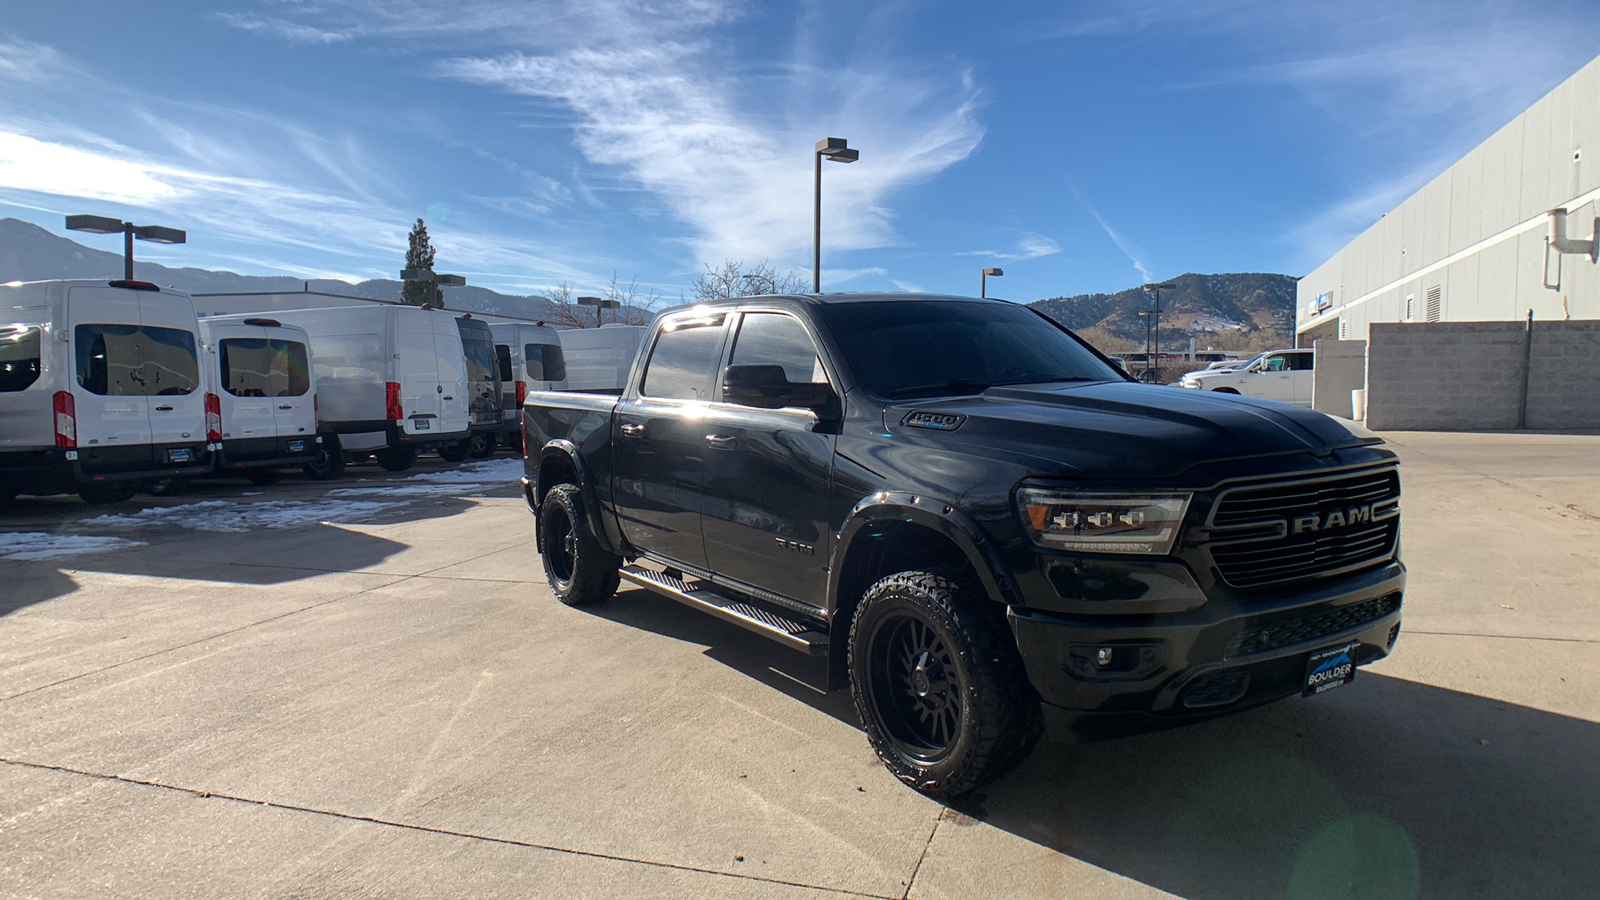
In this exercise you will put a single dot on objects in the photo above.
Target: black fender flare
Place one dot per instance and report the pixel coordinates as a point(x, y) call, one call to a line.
point(938, 515)
point(588, 494)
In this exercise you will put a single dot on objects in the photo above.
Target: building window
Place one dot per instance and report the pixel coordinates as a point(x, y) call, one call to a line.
point(1435, 303)
point(1344, 328)
point(1411, 307)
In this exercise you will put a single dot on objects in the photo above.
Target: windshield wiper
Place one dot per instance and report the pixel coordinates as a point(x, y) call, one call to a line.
point(954, 384)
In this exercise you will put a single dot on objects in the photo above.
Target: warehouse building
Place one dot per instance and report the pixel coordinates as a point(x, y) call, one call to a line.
point(1429, 310)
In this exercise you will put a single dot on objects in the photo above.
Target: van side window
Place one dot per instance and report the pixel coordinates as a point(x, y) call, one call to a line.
point(682, 359)
point(546, 362)
point(127, 360)
point(19, 357)
point(502, 355)
point(775, 339)
point(259, 367)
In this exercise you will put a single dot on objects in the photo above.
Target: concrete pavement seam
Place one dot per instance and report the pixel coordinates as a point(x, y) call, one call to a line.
point(923, 855)
point(444, 831)
point(1505, 637)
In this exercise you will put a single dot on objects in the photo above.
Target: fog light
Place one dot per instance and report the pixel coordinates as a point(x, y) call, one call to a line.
point(1103, 656)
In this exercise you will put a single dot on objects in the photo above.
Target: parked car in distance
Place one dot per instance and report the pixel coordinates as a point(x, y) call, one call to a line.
point(1274, 375)
point(982, 525)
point(530, 358)
point(101, 389)
point(260, 370)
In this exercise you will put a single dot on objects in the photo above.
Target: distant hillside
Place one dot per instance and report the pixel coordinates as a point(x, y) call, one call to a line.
point(30, 253)
point(1242, 311)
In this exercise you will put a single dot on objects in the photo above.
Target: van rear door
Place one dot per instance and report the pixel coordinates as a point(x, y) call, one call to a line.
point(172, 366)
point(294, 405)
point(421, 391)
point(452, 374)
point(243, 360)
point(108, 382)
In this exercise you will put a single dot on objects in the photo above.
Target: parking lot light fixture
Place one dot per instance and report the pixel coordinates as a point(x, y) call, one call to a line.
point(834, 150)
point(155, 234)
point(1156, 289)
point(983, 281)
point(600, 304)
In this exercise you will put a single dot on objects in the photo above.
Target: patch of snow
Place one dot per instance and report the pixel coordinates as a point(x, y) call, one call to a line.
point(43, 545)
point(409, 491)
point(504, 471)
point(220, 515)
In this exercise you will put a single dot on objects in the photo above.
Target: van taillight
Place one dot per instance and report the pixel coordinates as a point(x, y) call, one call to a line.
point(66, 421)
point(213, 417)
point(391, 403)
point(522, 392)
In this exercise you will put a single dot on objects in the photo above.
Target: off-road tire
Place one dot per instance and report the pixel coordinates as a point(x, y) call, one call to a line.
point(107, 493)
point(578, 570)
point(482, 446)
point(264, 477)
point(456, 452)
point(328, 460)
point(971, 716)
point(395, 459)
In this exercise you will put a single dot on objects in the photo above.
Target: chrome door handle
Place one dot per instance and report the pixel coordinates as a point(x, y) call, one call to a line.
point(632, 431)
point(721, 441)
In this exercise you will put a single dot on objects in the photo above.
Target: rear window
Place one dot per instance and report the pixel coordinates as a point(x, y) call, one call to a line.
point(19, 357)
point(502, 355)
point(264, 367)
point(545, 362)
point(130, 360)
point(480, 359)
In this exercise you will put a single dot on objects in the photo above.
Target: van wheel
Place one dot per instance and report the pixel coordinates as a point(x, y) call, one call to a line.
point(939, 685)
point(166, 487)
point(455, 452)
point(328, 462)
point(396, 459)
point(578, 569)
point(107, 493)
point(264, 477)
point(482, 446)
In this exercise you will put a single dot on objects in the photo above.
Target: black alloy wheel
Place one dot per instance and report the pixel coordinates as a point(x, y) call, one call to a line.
point(578, 570)
point(939, 685)
point(327, 461)
point(483, 445)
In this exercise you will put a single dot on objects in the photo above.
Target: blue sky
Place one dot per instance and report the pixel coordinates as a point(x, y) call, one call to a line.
point(1081, 146)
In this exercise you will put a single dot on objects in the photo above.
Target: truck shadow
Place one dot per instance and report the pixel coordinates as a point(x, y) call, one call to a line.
point(1385, 788)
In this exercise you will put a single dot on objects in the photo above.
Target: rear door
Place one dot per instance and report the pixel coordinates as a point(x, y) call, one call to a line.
point(244, 367)
point(26, 416)
point(451, 375)
point(417, 366)
point(108, 381)
point(172, 368)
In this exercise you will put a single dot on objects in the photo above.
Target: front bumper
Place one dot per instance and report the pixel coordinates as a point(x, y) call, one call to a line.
point(1172, 668)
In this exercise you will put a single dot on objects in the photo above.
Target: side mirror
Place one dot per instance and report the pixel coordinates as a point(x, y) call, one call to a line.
point(767, 387)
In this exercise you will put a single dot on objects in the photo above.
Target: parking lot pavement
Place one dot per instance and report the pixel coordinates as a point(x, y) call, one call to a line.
point(364, 688)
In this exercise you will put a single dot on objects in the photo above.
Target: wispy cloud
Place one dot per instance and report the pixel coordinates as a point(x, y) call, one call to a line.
point(1030, 246)
point(31, 62)
point(1132, 251)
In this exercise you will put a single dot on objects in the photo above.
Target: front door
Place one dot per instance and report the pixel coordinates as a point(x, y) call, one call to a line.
point(658, 439)
point(768, 472)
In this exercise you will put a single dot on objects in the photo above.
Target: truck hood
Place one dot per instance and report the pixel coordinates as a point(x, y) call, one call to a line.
point(1121, 430)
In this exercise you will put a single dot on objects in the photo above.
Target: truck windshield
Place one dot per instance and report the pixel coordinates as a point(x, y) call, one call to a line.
point(912, 348)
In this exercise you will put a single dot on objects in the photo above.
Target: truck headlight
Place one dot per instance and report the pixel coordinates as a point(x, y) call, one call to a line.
point(1102, 522)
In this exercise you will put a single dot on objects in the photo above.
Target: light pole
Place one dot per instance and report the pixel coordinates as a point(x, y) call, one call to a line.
point(600, 304)
point(983, 281)
point(437, 279)
point(155, 234)
point(1145, 315)
point(835, 150)
point(1156, 289)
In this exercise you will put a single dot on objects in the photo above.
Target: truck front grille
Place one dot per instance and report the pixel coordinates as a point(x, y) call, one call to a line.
point(1310, 628)
point(1303, 529)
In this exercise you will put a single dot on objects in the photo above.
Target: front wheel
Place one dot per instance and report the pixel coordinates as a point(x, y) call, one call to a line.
point(578, 569)
point(939, 685)
point(456, 452)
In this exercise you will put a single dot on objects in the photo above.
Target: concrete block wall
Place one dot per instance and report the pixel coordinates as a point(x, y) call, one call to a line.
point(1341, 368)
point(1468, 376)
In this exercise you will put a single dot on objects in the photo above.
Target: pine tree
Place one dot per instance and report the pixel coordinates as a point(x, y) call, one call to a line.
point(420, 256)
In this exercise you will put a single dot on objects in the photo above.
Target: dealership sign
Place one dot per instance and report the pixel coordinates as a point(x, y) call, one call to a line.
point(1324, 301)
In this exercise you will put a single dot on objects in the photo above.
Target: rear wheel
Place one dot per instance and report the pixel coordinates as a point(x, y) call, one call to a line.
point(482, 446)
point(107, 492)
point(578, 569)
point(939, 685)
point(170, 486)
point(327, 460)
point(264, 477)
point(396, 459)
point(455, 452)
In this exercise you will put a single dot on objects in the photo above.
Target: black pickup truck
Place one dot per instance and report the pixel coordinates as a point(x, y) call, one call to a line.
point(986, 528)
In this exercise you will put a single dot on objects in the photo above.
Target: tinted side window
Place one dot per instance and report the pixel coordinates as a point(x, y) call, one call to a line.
point(681, 362)
point(1276, 364)
point(259, 367)
point(1302, 362)
point(480, 360)
point(502, 355)
point(545, 362)
point(126, 360)
point(19, 358)
point(778, 340)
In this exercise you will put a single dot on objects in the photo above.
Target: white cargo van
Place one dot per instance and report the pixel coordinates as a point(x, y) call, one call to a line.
point(100, 389)
point(390, 381)
point(260, 370)
point(599, 359)
point(530, 359)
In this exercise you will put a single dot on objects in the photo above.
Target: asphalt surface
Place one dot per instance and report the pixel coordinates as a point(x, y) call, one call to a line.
point(378, 697)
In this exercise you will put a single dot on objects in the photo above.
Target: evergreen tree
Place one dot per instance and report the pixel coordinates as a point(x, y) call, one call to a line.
point(420, 256)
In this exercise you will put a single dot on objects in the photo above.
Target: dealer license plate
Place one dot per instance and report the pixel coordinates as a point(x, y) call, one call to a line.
point(180, 456)
point(1330, 668)
point(297, 446)
point(421, 424)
